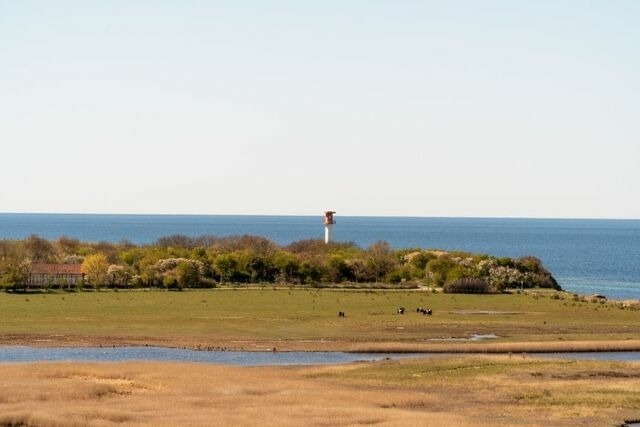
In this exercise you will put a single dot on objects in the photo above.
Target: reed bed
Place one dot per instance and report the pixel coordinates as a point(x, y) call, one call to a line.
point(440, 391)
point(499, 347)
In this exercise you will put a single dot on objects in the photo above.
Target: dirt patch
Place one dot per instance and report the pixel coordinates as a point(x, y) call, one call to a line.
point(594, 375)
point(472, 312)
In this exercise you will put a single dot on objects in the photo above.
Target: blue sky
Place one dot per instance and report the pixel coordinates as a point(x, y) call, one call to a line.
point(419, 108)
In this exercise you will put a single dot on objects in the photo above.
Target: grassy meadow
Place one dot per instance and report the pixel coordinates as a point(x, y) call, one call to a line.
point(472, 390)
point(438, 391)
point(306, 318)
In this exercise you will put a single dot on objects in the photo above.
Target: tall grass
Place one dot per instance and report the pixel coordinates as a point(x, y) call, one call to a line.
point(436, 391)
point(502, 347)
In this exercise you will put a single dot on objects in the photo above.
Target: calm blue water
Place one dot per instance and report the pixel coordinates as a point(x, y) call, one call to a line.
point(622, 356)
point(18, 354)
point(241, 358)
point(586, 256)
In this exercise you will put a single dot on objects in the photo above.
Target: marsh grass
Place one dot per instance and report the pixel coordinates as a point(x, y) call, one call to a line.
point(565, 391)
point(186, 395)
point(501, 347)
point(438, 391)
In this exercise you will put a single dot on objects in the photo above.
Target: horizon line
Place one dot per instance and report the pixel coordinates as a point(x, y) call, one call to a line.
point(321, 214)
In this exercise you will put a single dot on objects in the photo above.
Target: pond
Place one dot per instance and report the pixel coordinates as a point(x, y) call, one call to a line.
point(623, 356)
point(240, 358)
point(15, 354)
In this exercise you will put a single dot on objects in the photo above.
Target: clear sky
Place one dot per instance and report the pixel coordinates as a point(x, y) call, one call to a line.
point(418, 108)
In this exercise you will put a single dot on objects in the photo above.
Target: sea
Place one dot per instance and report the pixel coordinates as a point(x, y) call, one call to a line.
point(586, 256)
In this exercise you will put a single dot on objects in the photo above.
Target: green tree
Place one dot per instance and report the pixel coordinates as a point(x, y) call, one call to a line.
point(187, 275)
point(380, 260)
point(310, 272)
point(227, 266)
point(337, 269)
point(420, 260)
point(261, 269)
point(16, 275)
point(439, 269)
point(289, 266)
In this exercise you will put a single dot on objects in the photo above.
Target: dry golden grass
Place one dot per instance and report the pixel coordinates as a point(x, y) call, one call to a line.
point(499, 347)
point(467, 391)
point(185, 394)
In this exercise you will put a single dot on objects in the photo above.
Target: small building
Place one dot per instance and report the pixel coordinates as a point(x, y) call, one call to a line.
point(328, 218)
point(54, 275)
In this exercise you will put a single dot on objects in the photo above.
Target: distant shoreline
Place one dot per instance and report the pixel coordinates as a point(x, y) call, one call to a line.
point(315, 215)
point(574, 250)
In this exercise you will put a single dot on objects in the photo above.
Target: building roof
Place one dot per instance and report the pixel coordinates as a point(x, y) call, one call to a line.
point(55, 269)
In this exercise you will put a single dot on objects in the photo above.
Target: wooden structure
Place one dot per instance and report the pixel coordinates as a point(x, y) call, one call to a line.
point(54, 275)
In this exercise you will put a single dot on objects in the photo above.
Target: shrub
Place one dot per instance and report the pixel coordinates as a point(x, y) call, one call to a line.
point(170, 282)
point(394, 277)
point(187, 275)
point(207, 282)
point(468, 286)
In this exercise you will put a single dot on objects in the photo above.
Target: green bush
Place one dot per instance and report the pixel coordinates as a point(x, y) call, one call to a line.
point(468, 286)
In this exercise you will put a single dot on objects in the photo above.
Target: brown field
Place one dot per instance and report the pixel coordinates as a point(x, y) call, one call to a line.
point(439, 391)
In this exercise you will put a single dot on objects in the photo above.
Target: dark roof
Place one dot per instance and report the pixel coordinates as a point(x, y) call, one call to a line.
point(55, 269)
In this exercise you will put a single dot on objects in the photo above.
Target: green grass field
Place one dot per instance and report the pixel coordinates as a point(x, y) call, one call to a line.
point(299, 315)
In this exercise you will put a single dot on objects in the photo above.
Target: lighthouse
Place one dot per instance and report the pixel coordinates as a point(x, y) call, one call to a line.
point(328, 224)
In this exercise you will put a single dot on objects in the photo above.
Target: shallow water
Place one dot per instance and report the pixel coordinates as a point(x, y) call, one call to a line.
point(20, 354)
point(240, 358)
point(623, 356)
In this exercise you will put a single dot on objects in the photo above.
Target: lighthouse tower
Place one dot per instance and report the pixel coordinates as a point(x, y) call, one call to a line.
point(328, 223)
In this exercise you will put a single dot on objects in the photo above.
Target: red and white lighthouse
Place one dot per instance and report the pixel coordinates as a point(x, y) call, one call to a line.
point(328, 223)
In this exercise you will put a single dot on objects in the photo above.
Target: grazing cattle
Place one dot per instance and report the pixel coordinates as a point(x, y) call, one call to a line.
point(424, 311)
point(401, 310)
point(341, 314)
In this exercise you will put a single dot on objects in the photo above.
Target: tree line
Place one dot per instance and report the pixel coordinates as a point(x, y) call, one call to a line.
point(177, 262)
